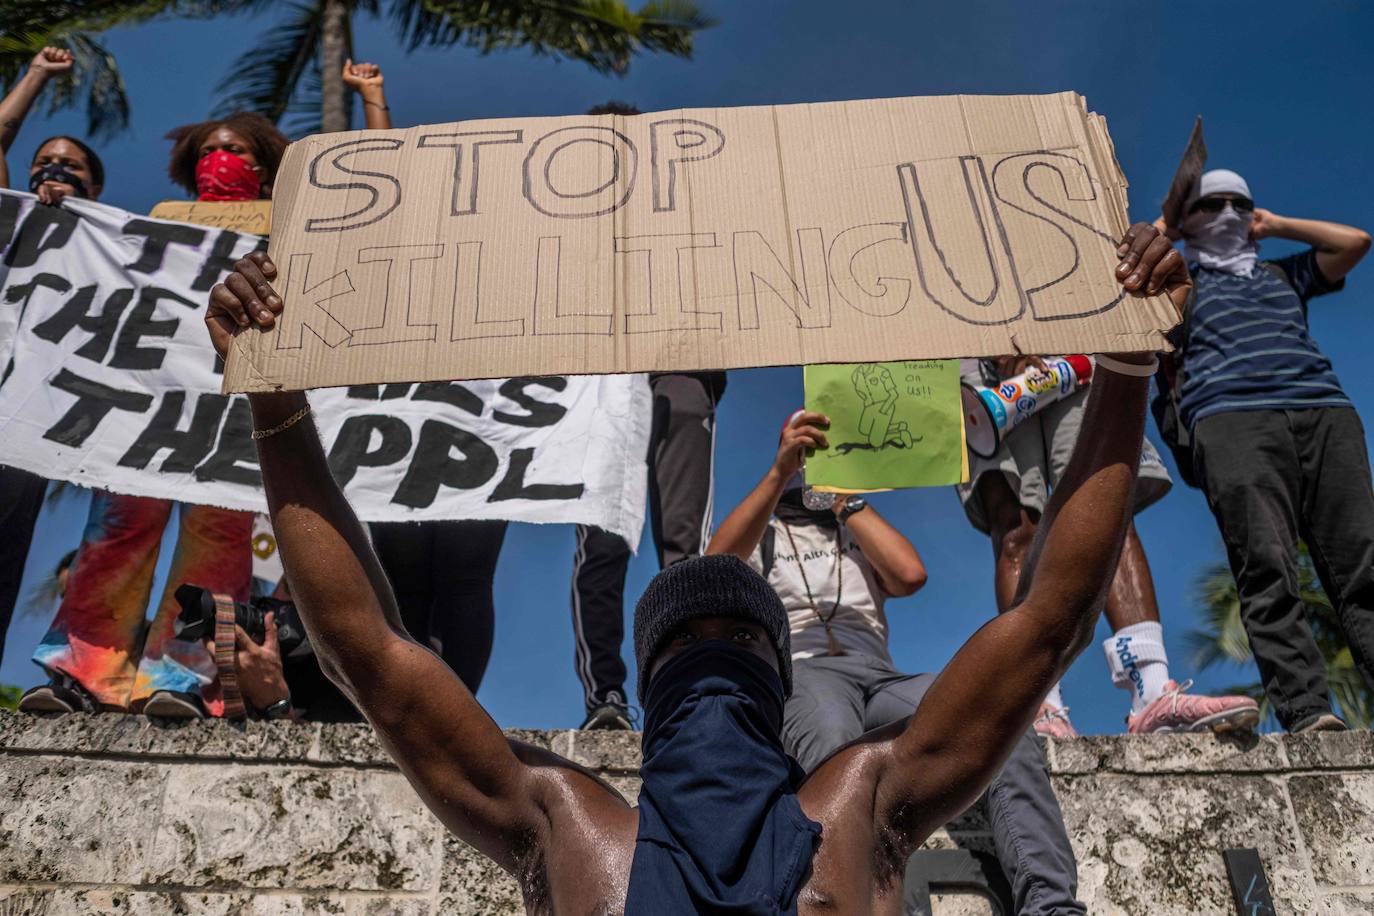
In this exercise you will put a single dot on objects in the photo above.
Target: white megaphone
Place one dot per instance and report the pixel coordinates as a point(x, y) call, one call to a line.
point(991, 413)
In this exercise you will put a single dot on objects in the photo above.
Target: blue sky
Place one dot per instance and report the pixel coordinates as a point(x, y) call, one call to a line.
point(1283, 89)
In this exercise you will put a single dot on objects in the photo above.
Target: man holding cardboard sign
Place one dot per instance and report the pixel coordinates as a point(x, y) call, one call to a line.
point(712, 648)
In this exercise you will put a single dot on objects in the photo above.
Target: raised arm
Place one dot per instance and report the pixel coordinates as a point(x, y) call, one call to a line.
point(445, 743)
point(1339, 247)
point(366, 80)
point(15, 106)
point(988, 694)
point(742, 529)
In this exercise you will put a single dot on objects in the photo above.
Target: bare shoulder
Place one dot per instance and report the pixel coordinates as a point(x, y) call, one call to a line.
point(858, 841)
point(581, 854)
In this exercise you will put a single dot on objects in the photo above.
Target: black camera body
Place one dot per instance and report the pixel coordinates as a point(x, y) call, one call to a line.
point(197, 620)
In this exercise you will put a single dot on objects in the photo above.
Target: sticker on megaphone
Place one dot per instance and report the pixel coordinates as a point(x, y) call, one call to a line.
point(991, 413)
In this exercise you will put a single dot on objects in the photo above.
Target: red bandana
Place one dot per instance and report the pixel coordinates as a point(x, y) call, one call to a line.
point(225, 176)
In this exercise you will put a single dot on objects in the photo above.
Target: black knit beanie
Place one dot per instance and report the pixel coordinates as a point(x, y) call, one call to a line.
point(714, 586)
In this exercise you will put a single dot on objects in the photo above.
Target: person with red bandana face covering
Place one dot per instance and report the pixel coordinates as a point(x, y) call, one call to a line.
point(222, 175)
point(98, 654)
point(233, 158)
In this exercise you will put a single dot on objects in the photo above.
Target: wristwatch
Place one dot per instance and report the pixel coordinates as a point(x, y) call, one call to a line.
point(279, 710)
point(851, 505)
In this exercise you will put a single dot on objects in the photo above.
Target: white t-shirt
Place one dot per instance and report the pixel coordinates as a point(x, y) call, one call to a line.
point(859, 624)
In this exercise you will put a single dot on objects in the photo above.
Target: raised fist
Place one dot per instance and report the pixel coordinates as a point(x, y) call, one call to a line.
point(51, 61)
point(362, 77)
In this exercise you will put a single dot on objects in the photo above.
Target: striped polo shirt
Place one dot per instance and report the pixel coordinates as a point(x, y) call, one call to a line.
point(1248, 345)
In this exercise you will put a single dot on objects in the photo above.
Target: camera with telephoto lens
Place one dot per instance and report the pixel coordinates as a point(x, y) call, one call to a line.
point(197, 620)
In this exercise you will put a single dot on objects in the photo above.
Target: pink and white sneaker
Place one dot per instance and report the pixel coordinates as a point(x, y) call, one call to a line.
point(1177, 711)
point(1053, 722)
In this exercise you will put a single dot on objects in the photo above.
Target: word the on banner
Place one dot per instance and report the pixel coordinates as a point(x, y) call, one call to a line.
point(842, 232)
point(113, 384)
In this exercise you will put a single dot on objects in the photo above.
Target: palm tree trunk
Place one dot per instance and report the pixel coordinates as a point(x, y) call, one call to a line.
point(333, 93)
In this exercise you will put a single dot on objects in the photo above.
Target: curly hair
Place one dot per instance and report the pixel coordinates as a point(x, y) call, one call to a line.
point(268, 145)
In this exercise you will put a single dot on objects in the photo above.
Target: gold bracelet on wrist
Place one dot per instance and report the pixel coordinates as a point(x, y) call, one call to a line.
point(284, 425)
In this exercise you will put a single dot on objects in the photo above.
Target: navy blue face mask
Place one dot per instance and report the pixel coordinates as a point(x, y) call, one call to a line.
point(54, 172)
point(720, 828)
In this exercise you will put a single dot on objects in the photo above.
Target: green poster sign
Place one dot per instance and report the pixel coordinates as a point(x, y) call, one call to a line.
point(892, 425)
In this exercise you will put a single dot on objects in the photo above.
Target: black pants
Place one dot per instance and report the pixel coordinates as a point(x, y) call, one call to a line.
point(441, 574)
point(21, 499)
point(681, 482)
point(1272, 477)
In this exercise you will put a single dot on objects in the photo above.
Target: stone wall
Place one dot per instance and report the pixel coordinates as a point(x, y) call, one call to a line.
point(111, 814)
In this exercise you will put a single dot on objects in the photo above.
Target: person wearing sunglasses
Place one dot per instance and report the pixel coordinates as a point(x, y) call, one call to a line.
point(1276, 444)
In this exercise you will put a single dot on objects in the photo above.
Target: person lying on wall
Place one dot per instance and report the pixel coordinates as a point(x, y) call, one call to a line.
point(726, 821)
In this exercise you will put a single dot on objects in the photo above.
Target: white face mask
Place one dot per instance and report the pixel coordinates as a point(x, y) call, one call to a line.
point(1221, 241)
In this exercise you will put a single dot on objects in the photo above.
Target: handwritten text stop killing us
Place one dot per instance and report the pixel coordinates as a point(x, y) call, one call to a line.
point(956, 246)
point(838, 232)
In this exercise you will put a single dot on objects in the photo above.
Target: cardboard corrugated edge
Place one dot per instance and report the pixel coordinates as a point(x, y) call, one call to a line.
point(1190, 167)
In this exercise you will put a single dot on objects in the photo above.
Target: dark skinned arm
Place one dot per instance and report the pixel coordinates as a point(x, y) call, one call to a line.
point(989, 693)
point(448, 747)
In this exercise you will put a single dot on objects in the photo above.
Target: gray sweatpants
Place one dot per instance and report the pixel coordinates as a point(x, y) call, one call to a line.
point(835, 699)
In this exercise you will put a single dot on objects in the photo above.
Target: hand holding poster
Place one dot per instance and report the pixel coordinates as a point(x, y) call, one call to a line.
point(840, 232)
point(891, 425)
point(114, 384)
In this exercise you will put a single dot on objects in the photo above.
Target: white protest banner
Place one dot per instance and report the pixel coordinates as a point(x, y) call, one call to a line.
point(842, 232)
point(113, 384)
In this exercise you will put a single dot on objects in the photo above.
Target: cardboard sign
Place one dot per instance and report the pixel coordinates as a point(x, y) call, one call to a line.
point(248, 216)
point(892, 425)
point(699, 239)
point(1185, 177)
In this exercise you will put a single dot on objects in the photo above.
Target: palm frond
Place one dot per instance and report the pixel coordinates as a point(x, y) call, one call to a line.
point(1222, 638)
point(303, 117)
point(26, 26)
point(94, 78)
point(43, 599)
point(265, 79)
point(59, 490)
point(107, 102)
point(604, 34)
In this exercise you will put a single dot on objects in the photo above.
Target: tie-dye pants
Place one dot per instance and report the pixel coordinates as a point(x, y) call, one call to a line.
point(100, 636)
